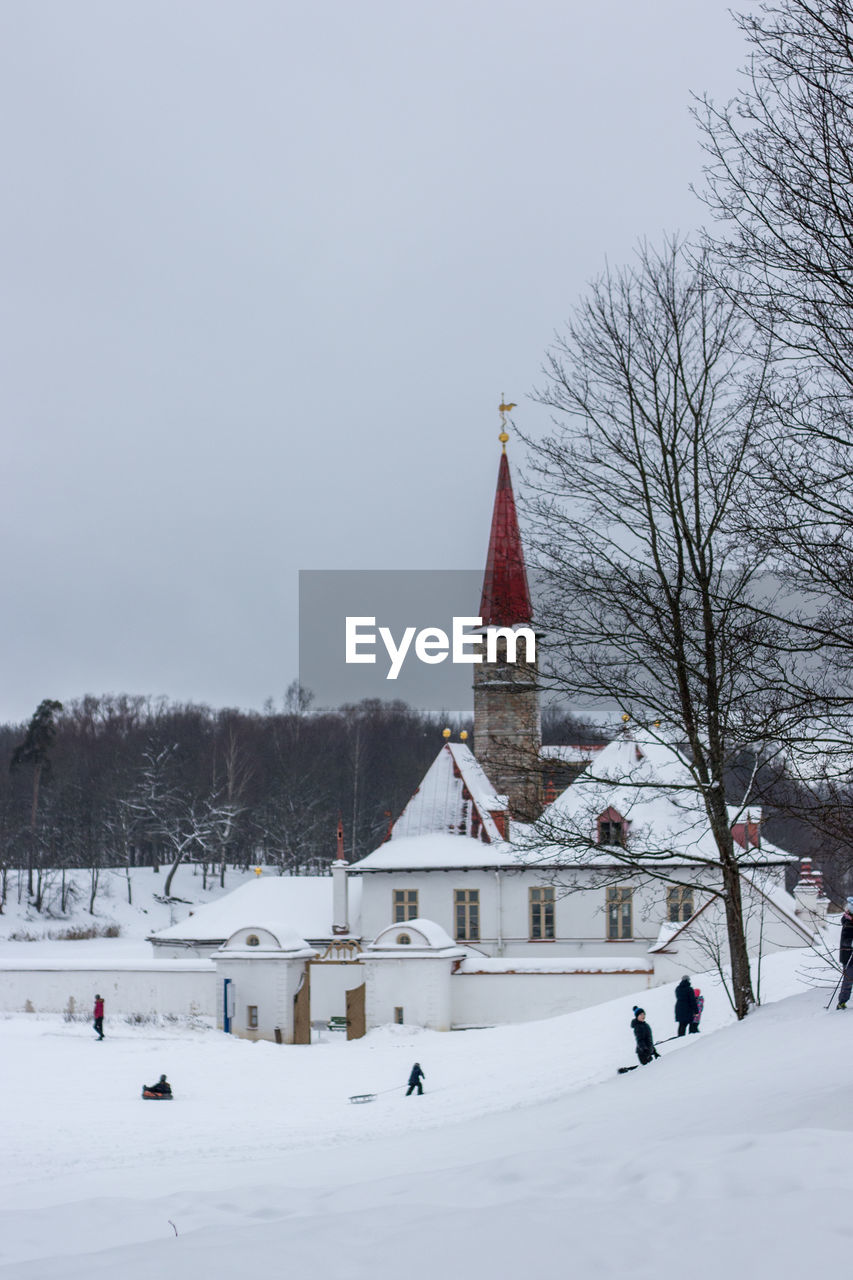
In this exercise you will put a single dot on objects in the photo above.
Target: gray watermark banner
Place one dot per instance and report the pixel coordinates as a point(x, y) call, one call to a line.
point(391, 634)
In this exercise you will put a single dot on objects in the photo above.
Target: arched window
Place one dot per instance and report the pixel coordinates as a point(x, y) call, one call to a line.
point(253, 940)
point(403, 940)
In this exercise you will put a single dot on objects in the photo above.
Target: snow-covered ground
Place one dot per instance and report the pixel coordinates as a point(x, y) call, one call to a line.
point(526, 1154)
point(135, 920)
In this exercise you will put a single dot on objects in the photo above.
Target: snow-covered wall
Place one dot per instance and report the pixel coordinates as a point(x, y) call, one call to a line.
point(182, 988)
point(490, 999)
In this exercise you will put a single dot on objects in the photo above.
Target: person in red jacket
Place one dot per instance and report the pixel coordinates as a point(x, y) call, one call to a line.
point(99, 1016)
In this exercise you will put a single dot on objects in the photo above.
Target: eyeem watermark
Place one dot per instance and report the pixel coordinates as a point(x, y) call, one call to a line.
point(432, 645)
point(417, 663)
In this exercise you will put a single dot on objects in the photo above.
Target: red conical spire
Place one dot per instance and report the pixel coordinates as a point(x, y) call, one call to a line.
point(506, 596)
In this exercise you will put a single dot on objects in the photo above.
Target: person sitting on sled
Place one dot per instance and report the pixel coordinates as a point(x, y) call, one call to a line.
point(643, 1035)
point(162, 1086)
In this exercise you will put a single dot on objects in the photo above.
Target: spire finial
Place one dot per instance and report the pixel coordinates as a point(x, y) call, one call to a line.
point(503, 410)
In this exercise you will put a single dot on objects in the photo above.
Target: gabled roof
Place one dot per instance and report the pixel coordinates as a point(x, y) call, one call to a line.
point(436, 852)
point(781, 903)
point(455, 798)
point(647, 781)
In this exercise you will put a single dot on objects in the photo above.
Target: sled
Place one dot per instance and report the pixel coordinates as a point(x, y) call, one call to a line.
point(363, 1097)
point(156, 1097)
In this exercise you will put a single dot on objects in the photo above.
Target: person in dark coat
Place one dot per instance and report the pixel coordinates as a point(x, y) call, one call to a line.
point(686, 1005)
point(416, 1075)
point(643, 1035)
point(845, 955)
point(162, 1086)
point(98, 1015)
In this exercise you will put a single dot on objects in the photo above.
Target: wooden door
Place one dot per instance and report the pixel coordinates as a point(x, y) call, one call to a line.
point(302, 1010)
point(355, 1013)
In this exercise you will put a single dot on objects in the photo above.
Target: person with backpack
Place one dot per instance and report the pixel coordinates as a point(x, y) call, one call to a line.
point(686, 1006)
point(845, 955)
point(646, 1050)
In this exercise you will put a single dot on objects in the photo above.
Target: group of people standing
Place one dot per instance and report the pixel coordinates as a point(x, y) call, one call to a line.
point(689, 1003)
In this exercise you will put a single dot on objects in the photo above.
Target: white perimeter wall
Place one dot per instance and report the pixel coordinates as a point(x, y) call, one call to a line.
point(178, 988)
point(486, 999)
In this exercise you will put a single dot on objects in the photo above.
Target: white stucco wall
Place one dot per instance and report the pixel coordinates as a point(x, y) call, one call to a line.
point(580, 918)
point(489, 999)
point(421, 987)
point(170, 988)
point(269, 983)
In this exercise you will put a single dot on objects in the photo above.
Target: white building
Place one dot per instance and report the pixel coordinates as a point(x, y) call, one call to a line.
point(501, 893)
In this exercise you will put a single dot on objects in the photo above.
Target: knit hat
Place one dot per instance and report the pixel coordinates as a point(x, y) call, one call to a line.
point(696, 991)
point(850, 903)
point(638, 1011)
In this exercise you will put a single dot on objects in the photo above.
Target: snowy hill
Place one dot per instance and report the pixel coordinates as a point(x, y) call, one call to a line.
point(26, 933)
point(527, 1152)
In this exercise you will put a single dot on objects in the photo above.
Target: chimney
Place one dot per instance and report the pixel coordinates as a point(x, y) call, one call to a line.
point(808, 893)
point(340, 906)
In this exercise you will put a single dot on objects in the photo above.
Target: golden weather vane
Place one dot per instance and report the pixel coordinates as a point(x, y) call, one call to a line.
point(503, 409)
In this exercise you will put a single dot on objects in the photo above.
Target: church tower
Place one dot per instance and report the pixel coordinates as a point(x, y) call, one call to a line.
point(507, 727)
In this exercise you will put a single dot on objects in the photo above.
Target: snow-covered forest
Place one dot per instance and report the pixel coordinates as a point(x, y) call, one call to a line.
point(133, 781)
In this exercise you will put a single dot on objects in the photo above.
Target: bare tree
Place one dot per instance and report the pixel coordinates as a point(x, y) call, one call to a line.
point(779, 179)
point(658, 388)
point(181, 822)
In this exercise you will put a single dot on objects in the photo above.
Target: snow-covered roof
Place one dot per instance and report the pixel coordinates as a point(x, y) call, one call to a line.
point(569, 754)
point(455, 797)
point(648, 783)
point(103, 963)
point(302, 902)
point(435, 853)
point(423, 936)
point(272, 936)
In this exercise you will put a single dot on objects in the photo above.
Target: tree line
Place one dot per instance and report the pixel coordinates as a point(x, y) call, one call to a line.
point(122, 781)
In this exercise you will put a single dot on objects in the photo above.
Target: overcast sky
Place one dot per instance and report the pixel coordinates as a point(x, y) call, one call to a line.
point(266, 269)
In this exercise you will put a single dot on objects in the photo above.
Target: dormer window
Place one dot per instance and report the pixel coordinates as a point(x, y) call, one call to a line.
point(612, 829)
point(404, 940)
point(253, 940)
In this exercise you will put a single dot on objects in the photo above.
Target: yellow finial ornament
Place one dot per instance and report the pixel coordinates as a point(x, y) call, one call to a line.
point(504, 408)
point(445, 733)
point(464, 735)
point(625, 718)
